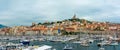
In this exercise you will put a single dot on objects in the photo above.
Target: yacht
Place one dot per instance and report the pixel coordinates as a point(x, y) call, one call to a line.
point(114, 43)
point(44, 47)
point(8, 46)
point(25, 42)
point(85, 44)
point(105, 42)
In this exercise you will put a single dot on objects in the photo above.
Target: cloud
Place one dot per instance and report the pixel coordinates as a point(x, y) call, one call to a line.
point(24, 12)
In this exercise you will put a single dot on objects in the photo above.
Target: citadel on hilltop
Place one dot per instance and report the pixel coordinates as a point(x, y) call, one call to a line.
point(65, 27)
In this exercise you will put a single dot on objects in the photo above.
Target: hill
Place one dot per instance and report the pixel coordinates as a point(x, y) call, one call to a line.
point(2, 26)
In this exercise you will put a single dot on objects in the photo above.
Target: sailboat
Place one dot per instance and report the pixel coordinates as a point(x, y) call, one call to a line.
point(78, 40)
point(114, 40)
point(101, 46)
point(103, 41)
point(85, 43)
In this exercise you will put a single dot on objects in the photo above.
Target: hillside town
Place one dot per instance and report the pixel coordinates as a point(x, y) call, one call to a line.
point(70, 26)
point(75, 31)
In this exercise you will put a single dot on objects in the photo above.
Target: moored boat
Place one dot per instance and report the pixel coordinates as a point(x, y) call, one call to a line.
point(67, 47)
point(114, 43)
point(25, 42)
point(101, 49)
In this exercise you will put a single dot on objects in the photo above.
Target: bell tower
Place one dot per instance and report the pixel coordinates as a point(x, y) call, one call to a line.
point(74, 17)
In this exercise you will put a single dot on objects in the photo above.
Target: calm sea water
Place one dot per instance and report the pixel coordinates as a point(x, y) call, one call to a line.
point(60, 45)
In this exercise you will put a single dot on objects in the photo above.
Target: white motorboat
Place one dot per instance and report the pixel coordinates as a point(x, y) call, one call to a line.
point(101, 49)
point(44, 47)
point(67, 47)
point(90, 40)
point(77, 42)
point(85, 43)
point(105, 42)
point(114, 40)
point(2, 48)
point(25, 42)
point(114, 43)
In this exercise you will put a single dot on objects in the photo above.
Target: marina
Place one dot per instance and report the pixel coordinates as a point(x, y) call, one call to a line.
point(84, 44)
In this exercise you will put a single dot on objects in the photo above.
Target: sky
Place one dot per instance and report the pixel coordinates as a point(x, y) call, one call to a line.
point(24, 12)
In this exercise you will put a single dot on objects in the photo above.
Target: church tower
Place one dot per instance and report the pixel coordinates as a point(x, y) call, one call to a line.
point(74, 17)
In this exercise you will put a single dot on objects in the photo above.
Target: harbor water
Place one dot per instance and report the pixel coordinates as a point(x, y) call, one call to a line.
point(60, 46)
point(76, 46)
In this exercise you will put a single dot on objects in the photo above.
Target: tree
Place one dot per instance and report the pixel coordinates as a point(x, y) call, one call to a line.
point(39, 23)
